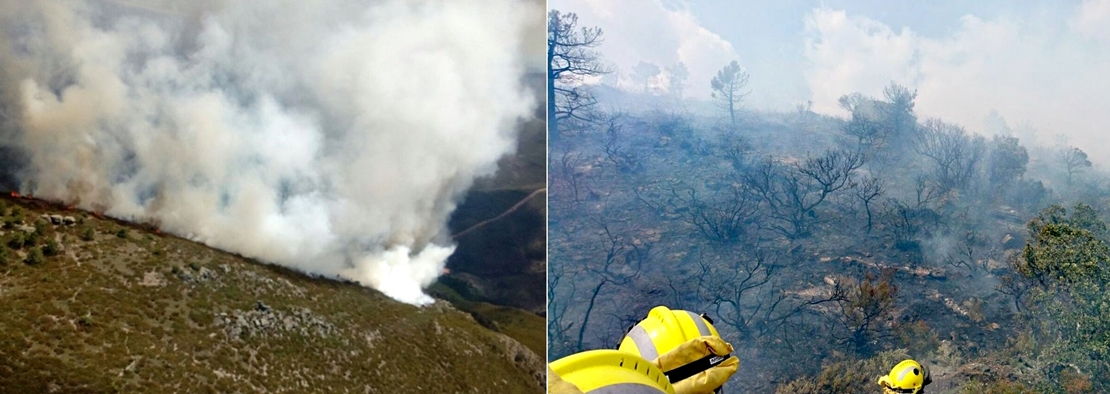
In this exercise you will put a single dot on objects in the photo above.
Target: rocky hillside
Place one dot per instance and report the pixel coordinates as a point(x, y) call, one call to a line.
point(97, 305)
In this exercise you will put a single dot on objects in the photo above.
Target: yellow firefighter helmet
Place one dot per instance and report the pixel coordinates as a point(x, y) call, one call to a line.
point(685, 346)
point(665, 329)
point(908, 376)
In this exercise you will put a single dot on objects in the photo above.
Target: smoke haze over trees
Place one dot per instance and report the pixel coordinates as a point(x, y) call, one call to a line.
point(1036, 64)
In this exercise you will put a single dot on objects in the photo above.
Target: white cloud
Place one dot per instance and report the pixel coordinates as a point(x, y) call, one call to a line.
point(1093, 19)
point(1047, 74)
point(853, 54)
point(637, 30)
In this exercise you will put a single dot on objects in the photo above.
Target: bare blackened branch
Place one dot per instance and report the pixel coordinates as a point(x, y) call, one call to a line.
point(792, 193)
point(867, 191)
point(722, 220)
point(955, 154)
point(570, 58)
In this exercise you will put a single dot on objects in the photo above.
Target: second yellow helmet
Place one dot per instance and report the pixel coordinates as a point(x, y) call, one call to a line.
point(908, 376)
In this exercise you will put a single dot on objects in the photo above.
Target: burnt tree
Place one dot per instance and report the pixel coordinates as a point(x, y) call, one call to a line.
point(792, 193)
point(723, 219)
point(954, 154)
point(570, 58)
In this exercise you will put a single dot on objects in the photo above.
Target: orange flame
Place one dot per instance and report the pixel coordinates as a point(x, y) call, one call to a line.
point(15, 194)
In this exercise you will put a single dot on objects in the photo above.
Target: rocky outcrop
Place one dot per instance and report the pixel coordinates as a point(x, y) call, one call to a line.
point(525, 359)
point(59, 220)
point(264, 321)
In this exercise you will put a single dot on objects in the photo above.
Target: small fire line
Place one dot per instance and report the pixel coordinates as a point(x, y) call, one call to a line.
point(502, 215)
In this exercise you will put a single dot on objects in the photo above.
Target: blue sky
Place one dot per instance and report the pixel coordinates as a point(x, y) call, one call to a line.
point(1037, 63)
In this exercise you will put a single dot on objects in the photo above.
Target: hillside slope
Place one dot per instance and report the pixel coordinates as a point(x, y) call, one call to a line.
point(113, 307)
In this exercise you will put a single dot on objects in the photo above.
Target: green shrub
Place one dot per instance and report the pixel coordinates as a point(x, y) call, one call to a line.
point(16, 239)
point(88, 234)
point(34, 257)
point(42, 227)
point(85, 321)
point(51, 248)
point(32, 238)
point(1068, 261)
point(122, 233)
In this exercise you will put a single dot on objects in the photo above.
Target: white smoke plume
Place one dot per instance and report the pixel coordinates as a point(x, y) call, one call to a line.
point(334, 137)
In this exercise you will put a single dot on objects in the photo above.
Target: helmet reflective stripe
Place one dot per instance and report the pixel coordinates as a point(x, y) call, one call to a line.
point(646, 346)
point(610, 371)
point(663, 330)
point(626, 388)
point(643, 342)
point(908, 376)
point(907, 370)
point(702, 328)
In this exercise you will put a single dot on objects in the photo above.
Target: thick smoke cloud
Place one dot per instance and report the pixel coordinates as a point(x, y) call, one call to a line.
point(332, 137)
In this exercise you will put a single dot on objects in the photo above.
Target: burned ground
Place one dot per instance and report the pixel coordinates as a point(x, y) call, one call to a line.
point(813, 241)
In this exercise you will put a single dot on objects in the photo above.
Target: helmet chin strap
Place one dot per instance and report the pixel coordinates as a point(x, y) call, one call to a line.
point(695, 367)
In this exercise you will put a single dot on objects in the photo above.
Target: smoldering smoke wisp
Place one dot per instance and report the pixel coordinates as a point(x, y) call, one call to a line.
point(334, 137)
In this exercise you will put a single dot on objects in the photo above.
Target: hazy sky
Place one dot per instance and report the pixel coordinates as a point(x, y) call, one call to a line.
point(1038, 63)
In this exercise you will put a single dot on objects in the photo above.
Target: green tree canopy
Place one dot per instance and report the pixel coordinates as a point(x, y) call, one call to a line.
point(728, 87)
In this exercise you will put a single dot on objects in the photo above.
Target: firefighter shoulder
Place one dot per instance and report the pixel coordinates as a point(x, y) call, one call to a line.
point(908, 376)
point(670, 351)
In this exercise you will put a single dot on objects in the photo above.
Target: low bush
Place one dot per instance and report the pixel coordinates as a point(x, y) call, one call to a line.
point(51, 248)
point(34, 257)
point(858, 376)
point(87, 234)
point(15, 239)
